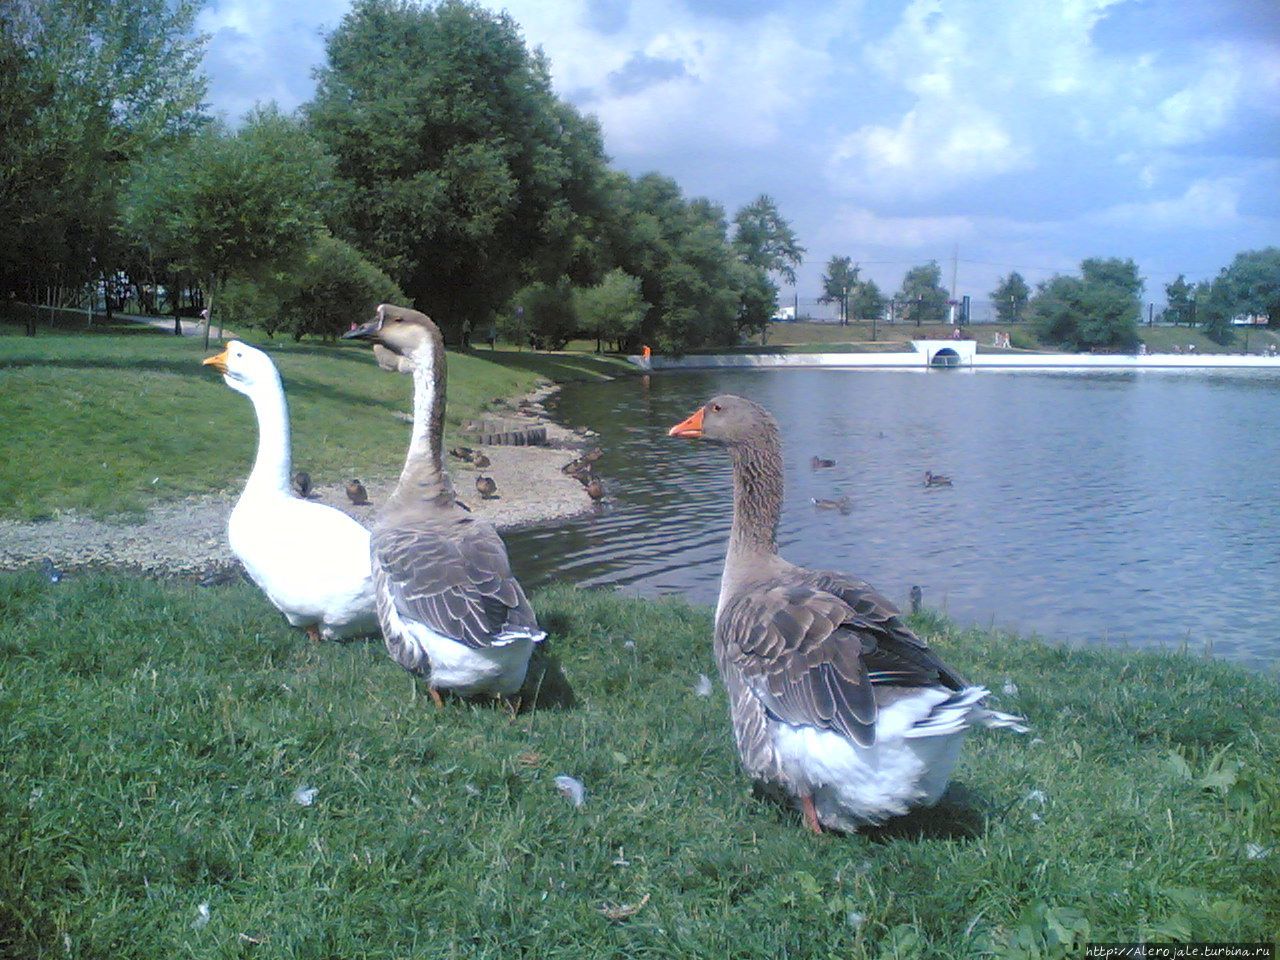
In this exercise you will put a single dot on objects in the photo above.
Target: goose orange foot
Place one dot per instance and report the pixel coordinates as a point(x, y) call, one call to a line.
point(436, 698)
point(810, 814)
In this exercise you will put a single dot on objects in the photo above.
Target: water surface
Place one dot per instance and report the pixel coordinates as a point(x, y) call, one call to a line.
point(1119, 508)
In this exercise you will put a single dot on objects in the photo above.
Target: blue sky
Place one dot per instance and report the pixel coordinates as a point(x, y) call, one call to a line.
point(1024, 134)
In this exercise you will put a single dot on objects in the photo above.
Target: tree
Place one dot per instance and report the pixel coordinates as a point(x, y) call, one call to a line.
point(699, 292)
point(922, 294)
point(1178, 296)
point(464, 177)
point(1252, 284)
point(867, 301)
point(1216, 308)
point(233, 204)
point(1121, 275)
point(1010, 297)
point(318, 293)
point(86, 89)
point(765, 240)
point(840, 278)
point(613, 308)
point(1082, 313)
point(547, 312)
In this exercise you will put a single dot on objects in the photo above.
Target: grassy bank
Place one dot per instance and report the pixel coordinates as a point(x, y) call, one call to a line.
point(155, 735)
point(109, 419)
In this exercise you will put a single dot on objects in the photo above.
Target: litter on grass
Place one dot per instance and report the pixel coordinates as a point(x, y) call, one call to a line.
point(572, 789)
point(305, 796)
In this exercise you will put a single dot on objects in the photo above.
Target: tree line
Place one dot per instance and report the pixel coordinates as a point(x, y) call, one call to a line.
point(1100, 308)
point(434, 165)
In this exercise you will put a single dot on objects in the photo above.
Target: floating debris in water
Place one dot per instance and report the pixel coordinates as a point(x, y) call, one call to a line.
point(572, 789)
point(1010, 689)
point(703, 689)
point(202, 916)
point(305, 796)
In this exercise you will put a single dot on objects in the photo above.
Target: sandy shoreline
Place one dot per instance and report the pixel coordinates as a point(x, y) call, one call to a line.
point(187, 538)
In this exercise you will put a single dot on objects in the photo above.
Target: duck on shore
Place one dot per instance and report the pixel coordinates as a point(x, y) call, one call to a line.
point(450, 608)
point(833, 699)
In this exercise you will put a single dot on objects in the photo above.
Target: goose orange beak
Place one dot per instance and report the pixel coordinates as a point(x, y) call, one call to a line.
point(689, 428)
point(218, 362)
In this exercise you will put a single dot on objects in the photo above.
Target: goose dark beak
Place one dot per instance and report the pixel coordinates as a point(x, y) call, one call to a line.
point(365, 331)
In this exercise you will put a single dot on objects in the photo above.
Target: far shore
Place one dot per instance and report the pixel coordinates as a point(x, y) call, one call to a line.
point(962, 354)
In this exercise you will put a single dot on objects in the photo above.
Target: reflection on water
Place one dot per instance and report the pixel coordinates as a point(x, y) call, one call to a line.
point(1119, 508)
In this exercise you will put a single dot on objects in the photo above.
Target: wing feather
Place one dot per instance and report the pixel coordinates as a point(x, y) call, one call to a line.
point(812, 650)
point(456, 579)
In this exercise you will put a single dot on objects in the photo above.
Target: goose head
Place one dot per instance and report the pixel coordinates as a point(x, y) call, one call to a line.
point(244, 368)
point(401, 331)
point(728, 421)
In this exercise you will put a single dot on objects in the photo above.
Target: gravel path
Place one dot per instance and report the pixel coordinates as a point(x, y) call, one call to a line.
point(187, 538)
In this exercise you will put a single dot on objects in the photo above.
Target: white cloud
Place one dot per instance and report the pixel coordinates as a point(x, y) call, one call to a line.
point(1205, 204)
point(933, 148)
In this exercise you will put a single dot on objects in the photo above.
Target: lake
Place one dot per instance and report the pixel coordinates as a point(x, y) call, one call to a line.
point(1133, 509)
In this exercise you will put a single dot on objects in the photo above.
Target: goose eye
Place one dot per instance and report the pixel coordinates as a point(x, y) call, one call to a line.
point(715, 408)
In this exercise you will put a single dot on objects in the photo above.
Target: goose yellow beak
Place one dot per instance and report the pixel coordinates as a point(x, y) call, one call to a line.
point(218, 362)
point(689, 428)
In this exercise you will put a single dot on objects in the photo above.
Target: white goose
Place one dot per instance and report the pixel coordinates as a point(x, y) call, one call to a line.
point(311, 561)
point(831, 696)
point(449, 605)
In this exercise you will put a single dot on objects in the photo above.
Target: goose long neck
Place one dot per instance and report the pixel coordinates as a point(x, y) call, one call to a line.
point(424, 475)
point(272, 466)
point(757, 495)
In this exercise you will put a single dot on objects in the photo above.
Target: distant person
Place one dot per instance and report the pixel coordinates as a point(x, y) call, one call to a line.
point(466, 334)
point(1142, 348)
point(955, 334)
point(491, 335)
point(1191, 348)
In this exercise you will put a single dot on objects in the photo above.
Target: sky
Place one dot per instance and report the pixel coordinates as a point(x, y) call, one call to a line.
point(988, 135)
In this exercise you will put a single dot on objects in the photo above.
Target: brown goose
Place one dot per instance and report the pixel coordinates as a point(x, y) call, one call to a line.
point(449, 606)
point(831, 695)
point(486, 487)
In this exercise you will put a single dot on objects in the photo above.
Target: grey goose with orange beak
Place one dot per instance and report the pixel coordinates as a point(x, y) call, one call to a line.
point(451, 610)
point(832, 697)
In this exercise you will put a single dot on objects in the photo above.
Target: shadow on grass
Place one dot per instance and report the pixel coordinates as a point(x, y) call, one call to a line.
point(959, 815)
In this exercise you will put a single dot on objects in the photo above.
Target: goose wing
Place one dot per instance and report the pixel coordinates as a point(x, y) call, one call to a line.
point(811, 657)
point(891, 649)
point(456, 579)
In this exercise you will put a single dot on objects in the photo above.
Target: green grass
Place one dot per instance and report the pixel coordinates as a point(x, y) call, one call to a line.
point(109, 420)
point(155, 733)
point(1163, 339)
